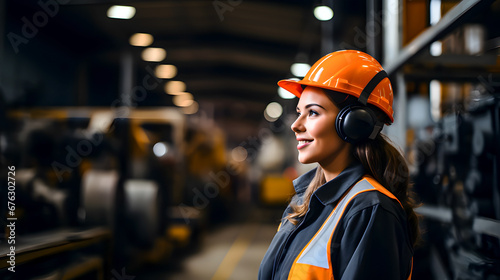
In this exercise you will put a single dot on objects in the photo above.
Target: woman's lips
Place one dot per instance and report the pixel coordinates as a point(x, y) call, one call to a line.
point(303, 143)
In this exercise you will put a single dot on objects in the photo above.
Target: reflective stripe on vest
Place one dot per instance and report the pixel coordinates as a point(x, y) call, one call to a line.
point(314, 260)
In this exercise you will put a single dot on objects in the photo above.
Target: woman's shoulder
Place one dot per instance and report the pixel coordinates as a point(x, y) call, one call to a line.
point(374, 201)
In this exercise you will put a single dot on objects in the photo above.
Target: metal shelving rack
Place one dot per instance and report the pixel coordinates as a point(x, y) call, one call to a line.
point(450, 21)
point(399, 67)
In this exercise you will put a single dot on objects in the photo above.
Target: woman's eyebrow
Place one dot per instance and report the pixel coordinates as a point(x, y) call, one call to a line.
point(314, 104)
point(311, 105)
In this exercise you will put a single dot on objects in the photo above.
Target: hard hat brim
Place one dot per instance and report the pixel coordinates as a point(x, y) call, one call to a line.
point(293, 86)
point(297, 87)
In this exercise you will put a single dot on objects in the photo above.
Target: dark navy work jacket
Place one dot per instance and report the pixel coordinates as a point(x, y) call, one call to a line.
point(371, 240)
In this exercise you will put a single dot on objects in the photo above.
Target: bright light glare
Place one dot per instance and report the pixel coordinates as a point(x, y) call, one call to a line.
point(419, 112)
point(435, 11)
point(323, 13)
point(435, 99)
point(300, 69)
point(166, 71)
point(285, 94)
point(175, 87)
point(436, 48)
point(160, 149)
point(273, 111)
point(121, 12)
point(183, 100)
point(239, 154)
point(154, 54)
point(141, 39)
point(474, 38)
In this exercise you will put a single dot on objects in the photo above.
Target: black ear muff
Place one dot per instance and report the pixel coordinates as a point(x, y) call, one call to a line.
point(355, 123)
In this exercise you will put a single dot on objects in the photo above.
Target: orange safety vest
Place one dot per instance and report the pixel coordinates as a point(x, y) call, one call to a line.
point(314, 260)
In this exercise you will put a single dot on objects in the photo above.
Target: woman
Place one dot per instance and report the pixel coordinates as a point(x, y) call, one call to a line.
point(352, 217)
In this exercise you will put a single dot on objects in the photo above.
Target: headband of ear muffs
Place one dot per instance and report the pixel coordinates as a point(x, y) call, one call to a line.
point(357, 122)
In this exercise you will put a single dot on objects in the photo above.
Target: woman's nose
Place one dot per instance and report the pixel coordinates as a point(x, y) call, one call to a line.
point(297, 125)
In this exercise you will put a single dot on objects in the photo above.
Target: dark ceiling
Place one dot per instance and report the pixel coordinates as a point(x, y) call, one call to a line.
point(230, 53)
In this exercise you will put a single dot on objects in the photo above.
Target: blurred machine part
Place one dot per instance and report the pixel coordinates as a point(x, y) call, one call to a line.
point(276, 190)
point(143, 206)
point(99, 198)
point(83, 169)
point(462, 208)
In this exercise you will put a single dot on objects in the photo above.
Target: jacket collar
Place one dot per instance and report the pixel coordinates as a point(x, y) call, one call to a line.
point(332, 190)
point(300, 184)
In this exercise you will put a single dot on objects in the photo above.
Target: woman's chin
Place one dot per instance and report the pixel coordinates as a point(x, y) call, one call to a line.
point(305, 160)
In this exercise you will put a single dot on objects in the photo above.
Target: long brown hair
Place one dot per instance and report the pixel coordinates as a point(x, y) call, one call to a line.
point(384, 162)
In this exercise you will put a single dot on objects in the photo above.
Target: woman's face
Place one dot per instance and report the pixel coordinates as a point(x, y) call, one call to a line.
point(314, 129)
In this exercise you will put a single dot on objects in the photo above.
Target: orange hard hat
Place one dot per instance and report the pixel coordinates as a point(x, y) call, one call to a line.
point(349, 72)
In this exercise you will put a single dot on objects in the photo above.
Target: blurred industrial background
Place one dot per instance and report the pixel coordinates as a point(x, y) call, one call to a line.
point(149, 140)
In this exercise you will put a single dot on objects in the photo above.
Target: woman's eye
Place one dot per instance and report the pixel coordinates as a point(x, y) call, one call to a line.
point(298, 114)
point(312, 113)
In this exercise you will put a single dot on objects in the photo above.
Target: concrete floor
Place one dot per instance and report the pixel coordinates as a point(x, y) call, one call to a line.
point(227, 252)
point(232, 251)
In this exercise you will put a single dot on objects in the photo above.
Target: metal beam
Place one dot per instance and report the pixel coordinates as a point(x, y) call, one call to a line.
point(486, 226)
point(449, 21)
point(391, 38)
point(373, 36)
point(2, 38)
point(480, 225)
point(327, 32)
point(452, 74)
point(436, 213)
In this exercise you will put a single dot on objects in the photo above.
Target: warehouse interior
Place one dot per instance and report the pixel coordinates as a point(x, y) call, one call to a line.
point(149, 139)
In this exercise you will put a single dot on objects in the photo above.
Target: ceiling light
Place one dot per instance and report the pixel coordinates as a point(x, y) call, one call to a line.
point(323, 13)
point(273, 111)
point(165, 71)
point(183, 100)
point(300, 69)
point(175, 87)
point(160, 149)
point(141, 39)
point(191, 109)
point(154, 54)
point(285, 94)
point(121, 12)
